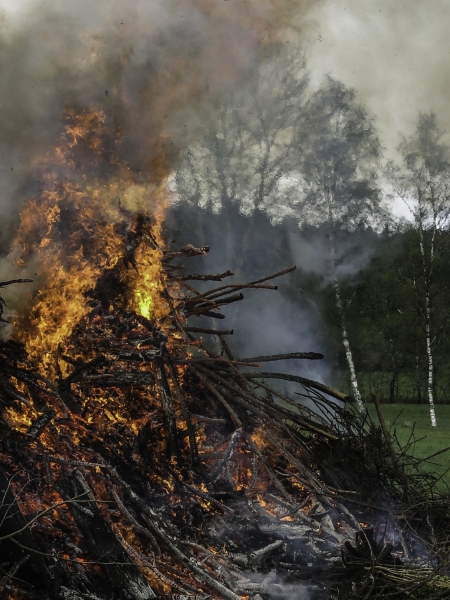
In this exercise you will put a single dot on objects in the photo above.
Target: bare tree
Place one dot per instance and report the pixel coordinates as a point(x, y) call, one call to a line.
point(424, 184)
point(339, 153)
point(248, 148)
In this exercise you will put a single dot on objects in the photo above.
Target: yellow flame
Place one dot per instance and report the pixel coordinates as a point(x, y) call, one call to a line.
point(77, 230)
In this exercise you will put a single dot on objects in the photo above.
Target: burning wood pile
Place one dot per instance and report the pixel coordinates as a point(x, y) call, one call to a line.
point(140, 458)
point(150, 462)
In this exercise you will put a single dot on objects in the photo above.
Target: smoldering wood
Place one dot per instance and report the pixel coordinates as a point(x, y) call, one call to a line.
point(148, 341)
point(315, 418)
point(250, 284)
point(208, 419)
point(211, 304)
point(137, 526)
point(201, 301)
point(144, 562)
point(209, 498)
point(103, 543)
point(38, 424)
point(240, 398)
point(81, 368)
point(35, 381)
point(9, 395)
point(275, 480)
point(226, 348)
point(141, 356)
point(11, 572)
point(210, 314)
point(104, 380)
point(182, 554)
point(234, 417)
point(213, 362)
point(261, 407)
point(222, 297)
point(165, 395)
point(23, 544)
point(226, 455)
point(186, 413)
point(11, 281)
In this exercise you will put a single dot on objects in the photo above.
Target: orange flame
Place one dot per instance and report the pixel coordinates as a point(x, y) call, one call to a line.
point(82, 226)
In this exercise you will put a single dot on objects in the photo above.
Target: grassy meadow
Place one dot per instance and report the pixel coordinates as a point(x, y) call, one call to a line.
point(403, 418)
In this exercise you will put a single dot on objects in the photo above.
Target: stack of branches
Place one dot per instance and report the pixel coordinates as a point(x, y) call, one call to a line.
point(156, 467)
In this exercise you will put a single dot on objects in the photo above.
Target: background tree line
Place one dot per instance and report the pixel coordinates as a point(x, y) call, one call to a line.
point(289, 175)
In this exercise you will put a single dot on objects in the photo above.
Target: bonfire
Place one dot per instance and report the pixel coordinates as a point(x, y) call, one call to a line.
point(141, 458)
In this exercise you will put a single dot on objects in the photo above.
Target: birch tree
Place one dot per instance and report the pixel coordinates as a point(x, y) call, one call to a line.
point(423, 182)
point(339, 154)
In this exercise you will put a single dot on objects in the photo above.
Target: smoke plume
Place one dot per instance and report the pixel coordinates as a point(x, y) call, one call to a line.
point(152, 68)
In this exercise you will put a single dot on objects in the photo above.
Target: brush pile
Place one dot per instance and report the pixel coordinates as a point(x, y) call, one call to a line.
point(156, 464)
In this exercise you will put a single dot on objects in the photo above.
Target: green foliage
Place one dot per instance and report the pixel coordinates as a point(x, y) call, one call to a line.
point(386, 325)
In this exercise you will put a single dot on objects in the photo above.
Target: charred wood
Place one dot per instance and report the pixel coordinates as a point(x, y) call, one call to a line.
point(211, 293)
point(103, 544)
point(167, 407)
point(39, 424)
point(292, 355)
point(187, 251)
point(139, 528)
point(17, 539)
point(186, 414)
point(210, 314)
point(308, 383)
point(215, 277)
point(226, 455)
point(119, 379)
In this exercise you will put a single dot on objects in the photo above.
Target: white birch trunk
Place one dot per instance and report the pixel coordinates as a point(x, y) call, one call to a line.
point(430, 365)
point(348, 351)
point(427, 279)
point(345, 342)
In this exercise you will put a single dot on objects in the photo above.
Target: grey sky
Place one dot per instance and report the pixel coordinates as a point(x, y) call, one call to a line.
point(396, 53)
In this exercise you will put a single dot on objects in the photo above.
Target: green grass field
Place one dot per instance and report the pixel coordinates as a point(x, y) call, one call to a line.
point(407, 416)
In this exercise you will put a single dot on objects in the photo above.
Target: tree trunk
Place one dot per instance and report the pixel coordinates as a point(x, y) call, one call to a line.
point(392, 384)
point(419, 394)
point(430, 364)
point(427, 278)
point(348, 351)
point(345, 342)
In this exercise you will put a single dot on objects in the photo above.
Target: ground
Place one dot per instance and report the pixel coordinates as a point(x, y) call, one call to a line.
point(402, 418)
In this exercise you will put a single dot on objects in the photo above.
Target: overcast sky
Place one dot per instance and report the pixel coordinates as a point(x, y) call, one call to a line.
point(395, 52)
